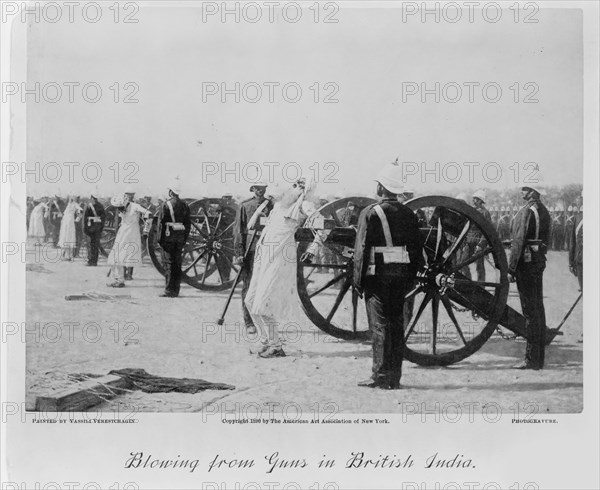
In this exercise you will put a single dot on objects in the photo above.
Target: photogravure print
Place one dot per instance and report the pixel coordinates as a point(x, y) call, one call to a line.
point(293, 214)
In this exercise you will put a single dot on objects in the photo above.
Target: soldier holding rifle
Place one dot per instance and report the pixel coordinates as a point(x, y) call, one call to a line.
point(251, 218)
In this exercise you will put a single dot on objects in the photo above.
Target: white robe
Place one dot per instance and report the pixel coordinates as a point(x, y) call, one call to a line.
point(127, 249)
point(273, 291)
point(36, 221)
point(67, 236)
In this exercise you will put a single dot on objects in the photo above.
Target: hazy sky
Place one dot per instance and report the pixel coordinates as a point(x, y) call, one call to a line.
point(367, 57)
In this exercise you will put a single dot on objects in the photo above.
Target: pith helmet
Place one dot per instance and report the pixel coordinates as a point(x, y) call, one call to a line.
point(461, 197)
point(390, 177)
point(175, 186)
point(570, 209)
point(480, 194)
point(260, 183)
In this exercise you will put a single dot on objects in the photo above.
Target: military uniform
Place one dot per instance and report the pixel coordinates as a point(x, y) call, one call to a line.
point(576, 250)
point(475, 239)
point(174, 225)
point(384, 292)
point(57, 208)
point(558, 229)
point(255, 211)
point(93, 224)
point(527, 263)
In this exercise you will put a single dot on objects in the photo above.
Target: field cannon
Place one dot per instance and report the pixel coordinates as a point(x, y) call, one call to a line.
point(208, 254)
point(448, 315)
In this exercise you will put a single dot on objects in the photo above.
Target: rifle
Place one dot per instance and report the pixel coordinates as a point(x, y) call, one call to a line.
point(238, 276)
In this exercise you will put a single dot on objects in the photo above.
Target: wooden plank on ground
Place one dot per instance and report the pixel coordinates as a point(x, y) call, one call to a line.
point(83, 395)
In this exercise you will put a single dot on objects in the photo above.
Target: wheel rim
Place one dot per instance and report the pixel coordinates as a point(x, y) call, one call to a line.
point(325, 287)
point(207, 261)
point(453, 315)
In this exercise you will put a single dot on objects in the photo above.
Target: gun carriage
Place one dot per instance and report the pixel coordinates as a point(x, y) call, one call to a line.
point(448, 315)
point(208, 254)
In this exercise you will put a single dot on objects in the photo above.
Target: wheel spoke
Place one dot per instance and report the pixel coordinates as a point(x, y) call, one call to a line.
point(200, 230)
point(327, 285)
point(450, 311)
point(220, 267)
point(471, 259)
point(193, 264)
point(206, 221)
point(435, 308)
point(455, 246)
point(339, 299)
point(412, 293)
point(438, 239)
point(210, 255)
point(354, 308)
point(230, 263)
point(420, 311)
point(225, 230)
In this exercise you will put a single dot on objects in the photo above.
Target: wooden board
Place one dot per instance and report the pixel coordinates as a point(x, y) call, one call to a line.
point(82, 395)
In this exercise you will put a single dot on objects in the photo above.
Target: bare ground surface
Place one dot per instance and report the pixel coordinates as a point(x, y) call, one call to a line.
point(179, 338)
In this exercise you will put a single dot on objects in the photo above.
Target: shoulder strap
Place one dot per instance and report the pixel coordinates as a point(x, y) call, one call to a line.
point(537, 221)
point(171, 211)
point(384, 224)
point(579, 227)
point(93, 208)
point(257, 213)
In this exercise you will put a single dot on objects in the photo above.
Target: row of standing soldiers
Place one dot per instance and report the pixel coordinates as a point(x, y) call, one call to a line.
point(562, 223)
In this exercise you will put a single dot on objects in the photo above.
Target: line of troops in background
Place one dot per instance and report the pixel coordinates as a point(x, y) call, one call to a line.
point(562, 224)
point(563, 219)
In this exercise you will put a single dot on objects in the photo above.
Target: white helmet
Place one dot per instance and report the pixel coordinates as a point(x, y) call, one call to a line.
point(461, 197)
point(581, 208)
point(502, 208)
point(515, 208)
point(390, 177)
point(570, 209)
point(575, 209)
point(175, 186)
point(480, 194)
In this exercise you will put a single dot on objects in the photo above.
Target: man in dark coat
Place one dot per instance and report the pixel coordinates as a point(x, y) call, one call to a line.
point(93, 224)
point(250, 220)
point(175, 223)
point(576, 248)
point(530, 238)
point(388, 252)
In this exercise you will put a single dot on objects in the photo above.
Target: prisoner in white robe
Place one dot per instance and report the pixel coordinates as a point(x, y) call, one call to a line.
point(272, 297)
point(127, 249)
point(68, 235)
point(36, 222)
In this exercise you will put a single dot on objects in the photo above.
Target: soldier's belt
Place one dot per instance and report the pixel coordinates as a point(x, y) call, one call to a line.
point(170, 226)
point(382, 257)
point(93, 219)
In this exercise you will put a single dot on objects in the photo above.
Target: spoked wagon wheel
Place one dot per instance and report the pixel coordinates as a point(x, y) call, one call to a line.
point(325, 283)
point(452, 315)
point(208, 253)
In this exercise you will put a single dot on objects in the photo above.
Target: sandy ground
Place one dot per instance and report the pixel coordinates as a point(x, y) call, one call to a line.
point(179, 338)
